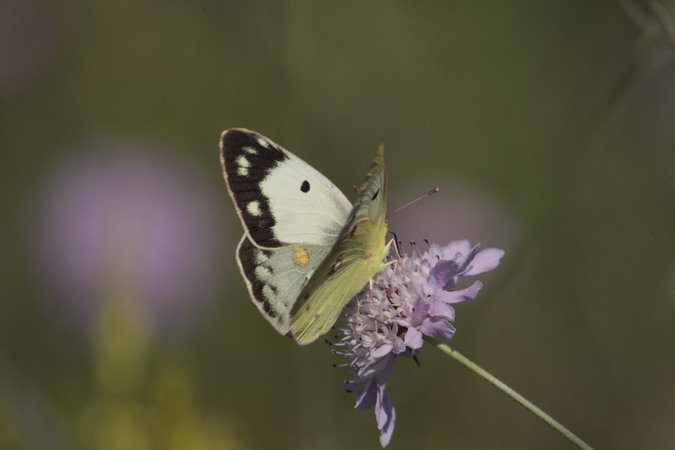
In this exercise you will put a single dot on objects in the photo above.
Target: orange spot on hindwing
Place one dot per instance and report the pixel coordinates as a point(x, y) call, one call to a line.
point(300, 256)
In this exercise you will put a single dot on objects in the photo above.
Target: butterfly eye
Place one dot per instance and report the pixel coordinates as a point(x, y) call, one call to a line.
point(305, 186)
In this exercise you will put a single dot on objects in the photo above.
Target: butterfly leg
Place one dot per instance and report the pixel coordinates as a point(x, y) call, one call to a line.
point(386, 252)
point(385, 265)
point(396, 243)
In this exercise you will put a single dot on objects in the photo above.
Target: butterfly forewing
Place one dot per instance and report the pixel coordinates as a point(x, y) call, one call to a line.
point(280, 199)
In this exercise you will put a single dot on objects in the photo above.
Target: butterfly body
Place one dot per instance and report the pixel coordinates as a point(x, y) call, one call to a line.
point(306, 251)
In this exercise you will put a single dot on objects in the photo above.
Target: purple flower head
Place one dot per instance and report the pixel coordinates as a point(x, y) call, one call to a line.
point(128, 218)
point(409, 300)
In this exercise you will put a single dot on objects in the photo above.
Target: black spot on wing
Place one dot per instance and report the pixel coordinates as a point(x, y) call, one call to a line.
point(305, 186)
point(375, 194)
point(248, 158)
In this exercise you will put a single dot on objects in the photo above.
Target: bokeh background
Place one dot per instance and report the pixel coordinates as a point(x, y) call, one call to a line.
point(548, 126)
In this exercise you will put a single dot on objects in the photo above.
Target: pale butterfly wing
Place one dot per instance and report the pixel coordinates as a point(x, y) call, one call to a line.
point(354, 259)
point(275, 277)
point(292, 215)
point(280, 199)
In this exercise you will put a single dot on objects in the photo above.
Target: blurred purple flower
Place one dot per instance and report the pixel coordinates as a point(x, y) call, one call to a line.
point(127, 218)
point(409, 300)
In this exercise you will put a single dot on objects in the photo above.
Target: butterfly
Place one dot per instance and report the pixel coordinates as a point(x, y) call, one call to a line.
point(306, 250)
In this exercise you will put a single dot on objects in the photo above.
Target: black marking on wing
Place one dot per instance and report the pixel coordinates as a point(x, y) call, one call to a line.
point(375, 194)
point(247, 163)
point(247, 256)
point(335, 266)
point(305, 186)
point(270, 312)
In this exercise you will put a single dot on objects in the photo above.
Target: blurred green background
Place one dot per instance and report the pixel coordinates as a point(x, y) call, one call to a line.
point(548, 126)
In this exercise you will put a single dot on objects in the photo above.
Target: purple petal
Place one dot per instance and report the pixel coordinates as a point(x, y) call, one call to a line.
point(381, 351)
point(377, 367)
point(467, 261)
point(451, 251)
point(413, 338)
point(443, 310)
point(367, 396)
point(464, 294)
point(399, 345)
point(443, 271)
point(437, 327)
point(385, 415)
point(420, 311)
point(485, 261)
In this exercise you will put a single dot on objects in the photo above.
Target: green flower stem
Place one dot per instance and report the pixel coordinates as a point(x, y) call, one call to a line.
point(510, 392)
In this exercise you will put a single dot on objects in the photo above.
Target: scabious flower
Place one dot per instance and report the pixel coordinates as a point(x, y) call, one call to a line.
point(409, 300)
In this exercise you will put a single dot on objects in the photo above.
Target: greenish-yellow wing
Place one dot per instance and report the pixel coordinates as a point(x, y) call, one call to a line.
point(354, 259)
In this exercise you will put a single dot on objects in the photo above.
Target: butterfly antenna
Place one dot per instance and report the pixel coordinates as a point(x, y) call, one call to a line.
point(431, 192)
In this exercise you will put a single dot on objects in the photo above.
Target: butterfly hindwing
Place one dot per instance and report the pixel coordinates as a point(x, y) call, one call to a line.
point(275, 277)
point(280, 199)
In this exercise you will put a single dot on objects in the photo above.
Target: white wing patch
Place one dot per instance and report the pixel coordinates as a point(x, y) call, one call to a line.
point(263, 273)
point(263, 142)
point(243, 162)
point(268, 292)
point(281, 200)
point(312, 216)
point(253, 208)
point(259, 257)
